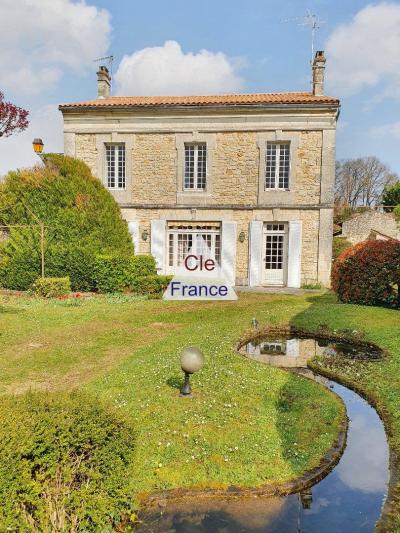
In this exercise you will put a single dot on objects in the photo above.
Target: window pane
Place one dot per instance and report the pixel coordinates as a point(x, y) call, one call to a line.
point(199, 239)
point(185, 243)
point(277, 165)
point(270, 165)
point(189, 166)
point(115, 166)
point(284, 156)
point(171, 250)
point(195, 166)
point(121, 166)
point(110, 159)
point(201, 166)
point(218, 248)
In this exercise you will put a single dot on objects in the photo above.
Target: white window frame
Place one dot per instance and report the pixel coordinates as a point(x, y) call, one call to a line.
point(117, 158)
point(277, 177)
point(274, 197)
point(176, 229)
point(196, 177)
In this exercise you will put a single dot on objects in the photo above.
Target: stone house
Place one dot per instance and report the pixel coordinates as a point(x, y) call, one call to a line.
point(245, 178)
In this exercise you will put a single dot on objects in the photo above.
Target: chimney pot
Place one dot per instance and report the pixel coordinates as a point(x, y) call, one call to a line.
point(103, 82)
point(318, 73)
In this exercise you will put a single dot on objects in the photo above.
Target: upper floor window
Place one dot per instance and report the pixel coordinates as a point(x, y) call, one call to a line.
point(115, 166)
point(195, 176)
point(277, 165)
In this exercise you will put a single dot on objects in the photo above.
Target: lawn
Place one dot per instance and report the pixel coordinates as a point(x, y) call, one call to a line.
point(246, 425)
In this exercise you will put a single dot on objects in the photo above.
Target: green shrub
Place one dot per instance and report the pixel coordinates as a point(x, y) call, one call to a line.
point(20, 262)
point(339, 244)
point(369, 273)
point(75, 261)
point(142, 265)
point(51, 287)
point(64, 462)
point(153, 285)
point(81, 217)
point(396, 212)
point(117, 273)
point(112, 273)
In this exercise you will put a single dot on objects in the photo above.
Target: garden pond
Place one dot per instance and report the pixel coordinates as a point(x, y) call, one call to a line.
point(349, 498)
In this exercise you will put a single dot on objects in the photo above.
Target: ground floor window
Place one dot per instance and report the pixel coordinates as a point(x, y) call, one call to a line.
point(192, 238)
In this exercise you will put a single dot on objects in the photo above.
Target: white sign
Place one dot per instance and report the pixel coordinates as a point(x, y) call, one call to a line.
point(199, 278)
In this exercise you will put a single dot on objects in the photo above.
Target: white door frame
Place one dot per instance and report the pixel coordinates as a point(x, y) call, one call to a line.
point(278, 277)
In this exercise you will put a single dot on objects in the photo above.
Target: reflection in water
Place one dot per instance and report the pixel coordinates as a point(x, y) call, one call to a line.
point(222, 515)
point(349, 499)
point(366, 444)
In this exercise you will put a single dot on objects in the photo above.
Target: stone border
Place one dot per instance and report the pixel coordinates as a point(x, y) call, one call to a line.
point(307, 480)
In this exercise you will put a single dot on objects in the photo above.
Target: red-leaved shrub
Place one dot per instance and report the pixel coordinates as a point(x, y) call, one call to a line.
point(369, 273)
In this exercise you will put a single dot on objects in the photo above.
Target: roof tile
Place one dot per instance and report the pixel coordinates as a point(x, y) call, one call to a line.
point(212, 100)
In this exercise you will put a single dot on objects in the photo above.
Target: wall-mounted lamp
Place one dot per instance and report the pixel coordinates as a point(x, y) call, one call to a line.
point(145, 235)
point(242, 236)
point(37, 146)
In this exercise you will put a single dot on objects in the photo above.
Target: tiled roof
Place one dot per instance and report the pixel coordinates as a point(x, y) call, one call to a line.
point(204, 101)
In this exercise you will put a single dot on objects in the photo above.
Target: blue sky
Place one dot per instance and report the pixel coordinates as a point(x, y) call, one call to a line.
point(50, 59)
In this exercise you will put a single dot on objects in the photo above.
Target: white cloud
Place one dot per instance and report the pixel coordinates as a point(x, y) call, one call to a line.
point(364, 463)
point(386, 130)
point(40, 38)
point(17, 152)
point(365, 52)
point(167, 70)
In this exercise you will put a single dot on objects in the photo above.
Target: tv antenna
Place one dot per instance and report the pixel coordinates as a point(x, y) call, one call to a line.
point(109, 64)
point(313, 22)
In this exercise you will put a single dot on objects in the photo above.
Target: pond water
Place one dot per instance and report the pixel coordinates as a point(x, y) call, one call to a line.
point(348, 499)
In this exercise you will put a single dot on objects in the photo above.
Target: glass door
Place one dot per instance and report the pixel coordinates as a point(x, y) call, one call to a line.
point(275, 254)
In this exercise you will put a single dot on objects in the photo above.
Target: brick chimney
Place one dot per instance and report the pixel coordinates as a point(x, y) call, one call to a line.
point(318, 73)
point(103, 82)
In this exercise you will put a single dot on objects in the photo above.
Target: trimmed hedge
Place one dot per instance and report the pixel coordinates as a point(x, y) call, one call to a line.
point(20, 263)
point(82, 221)
point(75, 261)
point(154, 285)
point(51, 287)
point(369, 273)
point(116, 273)
point(64, 464)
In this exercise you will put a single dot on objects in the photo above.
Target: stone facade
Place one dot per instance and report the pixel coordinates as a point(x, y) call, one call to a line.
point(236, 143)
point(235, 169)
point(310, 218)
point(85, 149)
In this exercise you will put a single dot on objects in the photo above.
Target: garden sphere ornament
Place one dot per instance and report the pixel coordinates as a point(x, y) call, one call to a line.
point(192, 360)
